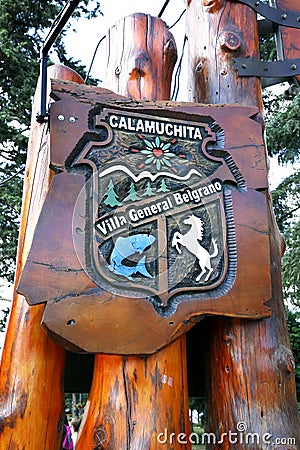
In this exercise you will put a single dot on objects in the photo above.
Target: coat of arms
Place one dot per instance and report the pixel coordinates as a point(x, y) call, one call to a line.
point(153, 208)
point(157, 214)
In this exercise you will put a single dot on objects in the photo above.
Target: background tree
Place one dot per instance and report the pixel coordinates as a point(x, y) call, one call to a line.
point(22, 27)
point(283, 138)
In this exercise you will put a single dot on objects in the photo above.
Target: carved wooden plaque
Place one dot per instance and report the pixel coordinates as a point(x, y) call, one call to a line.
point(157, 215)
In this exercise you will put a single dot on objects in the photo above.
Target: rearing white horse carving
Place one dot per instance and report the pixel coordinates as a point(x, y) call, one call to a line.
point(190, 241)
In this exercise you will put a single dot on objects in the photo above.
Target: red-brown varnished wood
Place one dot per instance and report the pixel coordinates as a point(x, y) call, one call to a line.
point(290, 36)
point(134, 399)
point(142, 54)
point(136, 403)
point(251, 367)
point(31, 413)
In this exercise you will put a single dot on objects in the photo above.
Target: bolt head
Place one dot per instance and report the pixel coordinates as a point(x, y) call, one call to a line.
point(230, 41)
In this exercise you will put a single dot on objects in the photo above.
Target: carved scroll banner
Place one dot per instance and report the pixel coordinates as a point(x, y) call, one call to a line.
point(157, 216)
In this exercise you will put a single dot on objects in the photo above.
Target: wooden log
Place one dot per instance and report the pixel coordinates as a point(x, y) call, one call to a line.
point(142, 55)
point(290, 36)
point(251, 367)
point(32, 366)
point(134, 399)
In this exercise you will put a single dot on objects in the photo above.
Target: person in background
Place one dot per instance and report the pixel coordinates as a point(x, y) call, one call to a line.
point(75, 424)
point(67, 442)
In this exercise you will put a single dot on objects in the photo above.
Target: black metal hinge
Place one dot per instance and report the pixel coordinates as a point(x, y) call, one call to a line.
point(276, 15)
point(54, 32)
point(248, 67)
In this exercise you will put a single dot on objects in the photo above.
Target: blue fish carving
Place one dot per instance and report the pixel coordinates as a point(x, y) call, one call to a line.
point(126, 247)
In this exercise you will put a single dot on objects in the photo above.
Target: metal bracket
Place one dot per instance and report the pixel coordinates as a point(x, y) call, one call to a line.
point(55, 31)
point(248, 67)
point(277, 15)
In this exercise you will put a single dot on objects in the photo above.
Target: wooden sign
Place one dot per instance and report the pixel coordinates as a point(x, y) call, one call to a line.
point(157, 215)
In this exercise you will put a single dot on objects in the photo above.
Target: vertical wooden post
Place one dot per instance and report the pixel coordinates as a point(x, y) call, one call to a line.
point(290, 36)
point(32, 400)
point(134, 399)
point(251, 367)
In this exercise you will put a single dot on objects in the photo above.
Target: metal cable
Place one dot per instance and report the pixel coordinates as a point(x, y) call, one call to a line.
point(175, 23)
point(163, 8)
point(177, 73)
point(93, 58)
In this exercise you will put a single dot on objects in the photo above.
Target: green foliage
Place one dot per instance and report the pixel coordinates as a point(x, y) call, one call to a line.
point(75, 404)
point(286, 198)
point(293, 321)
point(283, 138)
point(23, 25)
point(267, 48)
point(3, 319)
point(283, 130)
point(10, 205)
point(290, 265)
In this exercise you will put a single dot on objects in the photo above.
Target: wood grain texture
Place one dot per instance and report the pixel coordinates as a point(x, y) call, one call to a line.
point(251, 367)
point(31, 414)
point(142, 54)
point(133, 399)
point(290, 36)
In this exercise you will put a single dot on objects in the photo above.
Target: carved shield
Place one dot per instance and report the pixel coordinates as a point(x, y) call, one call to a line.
point(153, 209)
point(156, 216)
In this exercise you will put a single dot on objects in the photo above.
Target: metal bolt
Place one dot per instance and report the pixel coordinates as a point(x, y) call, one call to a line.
point(293, 67)
point(283, 16)
point(244, 66)
point(72, 119)
point(117, 70)
point(61, 117)
point(298, 19)
point(230, 41)
point(223, 72)
point(257, 3)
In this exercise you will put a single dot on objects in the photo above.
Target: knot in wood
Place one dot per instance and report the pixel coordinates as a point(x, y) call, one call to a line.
point(199, 66)
point(141, 60)
point(213, 6)
point(136, 74)
point(230, 41)
point(284, 360)
point(227, 339)
point(100, 437)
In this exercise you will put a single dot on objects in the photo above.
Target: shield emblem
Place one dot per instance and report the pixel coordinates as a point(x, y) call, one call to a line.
point(157, 215)
point(151, 221)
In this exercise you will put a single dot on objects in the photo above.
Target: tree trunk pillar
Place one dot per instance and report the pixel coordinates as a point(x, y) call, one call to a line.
point(251, 368)
point(31, 381)
point(138, 402)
